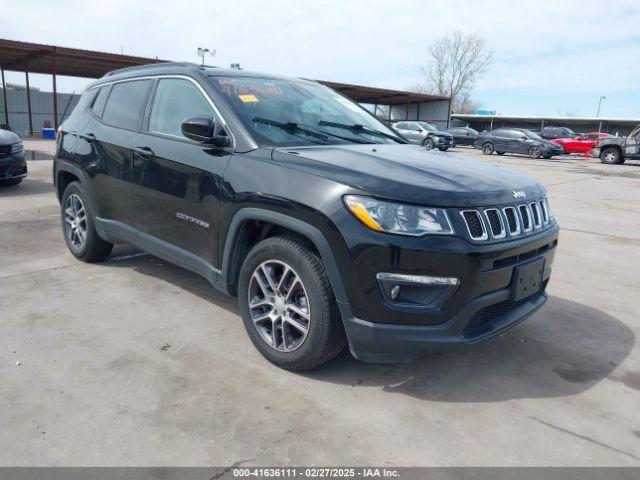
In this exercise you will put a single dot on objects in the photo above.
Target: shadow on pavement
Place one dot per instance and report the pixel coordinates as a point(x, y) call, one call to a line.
point(26, 187)
point(565, 349)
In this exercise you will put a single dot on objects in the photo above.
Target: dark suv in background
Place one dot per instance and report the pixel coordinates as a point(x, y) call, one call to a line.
point(326, 225)
point(517, 140)
point(552, 133)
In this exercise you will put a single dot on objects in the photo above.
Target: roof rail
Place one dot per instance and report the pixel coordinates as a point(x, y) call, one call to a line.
point(150, 65)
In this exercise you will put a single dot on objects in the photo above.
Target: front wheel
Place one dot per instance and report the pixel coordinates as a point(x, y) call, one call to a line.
point(487, 148)
point(535, 152)
point(287, 305)
point(611, 155)
point(429, 143)
point(78, 226)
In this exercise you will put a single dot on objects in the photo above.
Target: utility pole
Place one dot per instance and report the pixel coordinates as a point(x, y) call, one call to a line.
point(602, 97)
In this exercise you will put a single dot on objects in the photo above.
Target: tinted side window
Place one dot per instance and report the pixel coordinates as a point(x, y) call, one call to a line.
point(175, 101)
point(124, 106)
point(500, 133)
point(401, 126)
point(100, 100)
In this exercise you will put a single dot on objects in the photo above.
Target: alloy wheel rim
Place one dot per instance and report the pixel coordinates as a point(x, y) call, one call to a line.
point(279, 306)
point(488, 149)
point(75, 221)
point(610, 156)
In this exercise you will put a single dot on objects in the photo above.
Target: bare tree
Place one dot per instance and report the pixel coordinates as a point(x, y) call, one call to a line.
point(456, 63)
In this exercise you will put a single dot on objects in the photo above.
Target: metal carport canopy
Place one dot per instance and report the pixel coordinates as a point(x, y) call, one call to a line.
point(54, 60)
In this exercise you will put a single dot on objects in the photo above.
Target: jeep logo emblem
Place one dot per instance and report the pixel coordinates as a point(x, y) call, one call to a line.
point(519, 194)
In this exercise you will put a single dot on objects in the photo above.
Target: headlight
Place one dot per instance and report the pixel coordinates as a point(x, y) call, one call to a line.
point(398, 218)
point(17, 147)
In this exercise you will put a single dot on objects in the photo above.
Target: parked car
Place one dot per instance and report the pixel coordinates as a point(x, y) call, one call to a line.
point(551, 133)
point(517, 140)
point(618, 149)
point(13, 163)
point(424, 133)
point(582, 144)
point(463, 135)
point(329, 228)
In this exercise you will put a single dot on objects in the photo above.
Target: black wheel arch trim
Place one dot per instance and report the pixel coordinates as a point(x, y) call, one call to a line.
point(303, 228)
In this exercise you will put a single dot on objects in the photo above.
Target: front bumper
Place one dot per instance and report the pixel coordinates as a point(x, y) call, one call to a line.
point(13, 166)
point(442, 142)
point(481, 306)
point(482, 318)
point(552, 151)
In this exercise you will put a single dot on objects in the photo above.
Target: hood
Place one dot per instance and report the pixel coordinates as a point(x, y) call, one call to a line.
point(7, 137)
point(440, 133)
point(410, 173)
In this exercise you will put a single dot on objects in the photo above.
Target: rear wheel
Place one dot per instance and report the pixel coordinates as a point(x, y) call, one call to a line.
point(611, 155)
point(287, 305)
point(78, 226)
point(487, 148)
point(535, 152)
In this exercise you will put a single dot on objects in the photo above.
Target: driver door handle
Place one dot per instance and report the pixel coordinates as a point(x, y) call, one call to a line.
point(145, 152)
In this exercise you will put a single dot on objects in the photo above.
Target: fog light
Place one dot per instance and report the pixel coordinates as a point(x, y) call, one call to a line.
point(395, 291)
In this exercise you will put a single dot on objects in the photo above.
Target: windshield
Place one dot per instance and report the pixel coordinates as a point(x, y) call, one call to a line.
point(532, 135)
point(427, 126)
point(288, 113)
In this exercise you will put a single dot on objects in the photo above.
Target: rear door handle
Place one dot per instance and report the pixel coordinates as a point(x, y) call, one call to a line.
point(89, 137)
point(145, 152)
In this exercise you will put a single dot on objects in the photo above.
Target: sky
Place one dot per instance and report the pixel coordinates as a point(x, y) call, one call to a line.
point(550, 57)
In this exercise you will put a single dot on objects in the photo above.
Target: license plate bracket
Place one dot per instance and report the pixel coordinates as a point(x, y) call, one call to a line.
point(527, 279)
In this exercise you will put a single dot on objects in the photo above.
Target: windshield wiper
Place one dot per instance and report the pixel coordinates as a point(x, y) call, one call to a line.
point(358, 129)
point(291, 127)
point(349, 139)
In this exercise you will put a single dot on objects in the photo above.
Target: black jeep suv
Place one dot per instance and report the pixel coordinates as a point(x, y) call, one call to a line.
point(328, 227)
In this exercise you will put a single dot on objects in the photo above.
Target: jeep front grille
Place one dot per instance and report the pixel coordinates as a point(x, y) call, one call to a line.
point(475, 225)
point(495, 223)
point(512, 221)
point(525, 216)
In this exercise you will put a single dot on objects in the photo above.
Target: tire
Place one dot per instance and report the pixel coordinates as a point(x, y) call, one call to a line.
point(443, 149)
point(429, 143)
point(547, 156)
point(293, 349)
point(10, 182)
point(78, 226)
point(611, 156)
point(535, 152)
point(487, 148)
point(500, 153)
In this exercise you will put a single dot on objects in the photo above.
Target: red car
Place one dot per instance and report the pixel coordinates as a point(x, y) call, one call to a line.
point(581, 144)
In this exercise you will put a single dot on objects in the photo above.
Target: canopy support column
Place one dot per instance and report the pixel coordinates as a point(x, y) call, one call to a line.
point(4, 95)
point(26, 75)
point(55, 90)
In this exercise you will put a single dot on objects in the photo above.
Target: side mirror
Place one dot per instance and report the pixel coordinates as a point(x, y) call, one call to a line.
point(524, 137)
point(204, 130)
